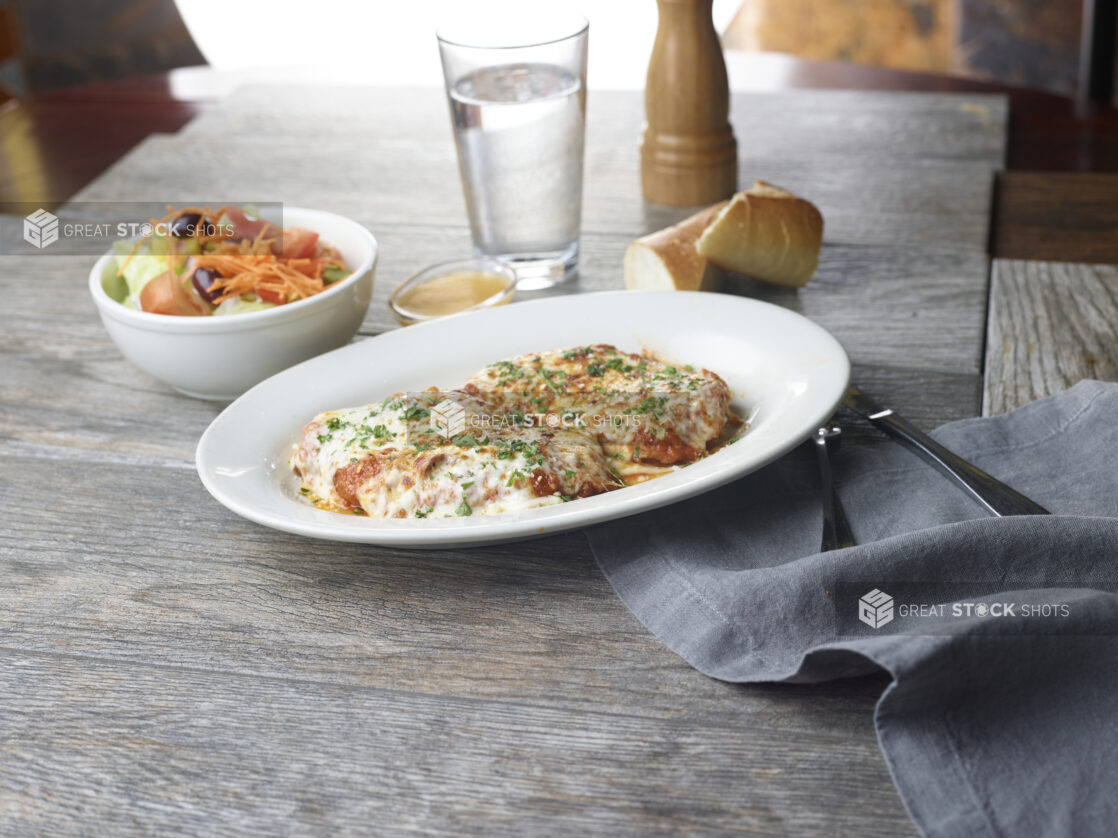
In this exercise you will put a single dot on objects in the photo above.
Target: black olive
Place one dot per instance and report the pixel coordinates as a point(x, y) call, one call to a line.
point(186, 226)
point(203, 280)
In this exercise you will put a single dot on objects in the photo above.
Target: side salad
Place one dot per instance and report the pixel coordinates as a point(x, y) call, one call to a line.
point(198, 262)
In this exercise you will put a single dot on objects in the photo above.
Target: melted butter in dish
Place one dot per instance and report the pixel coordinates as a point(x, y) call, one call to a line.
point(451, 293)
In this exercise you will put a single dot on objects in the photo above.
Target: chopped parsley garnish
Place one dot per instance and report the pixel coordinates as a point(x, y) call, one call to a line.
point(416, 411)
point(507, 371)
point(467, 484)
point(335, 424)
point(547, 375)
point(463, 509)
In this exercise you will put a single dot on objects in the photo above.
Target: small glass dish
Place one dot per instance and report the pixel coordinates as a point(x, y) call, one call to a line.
point(452, 288)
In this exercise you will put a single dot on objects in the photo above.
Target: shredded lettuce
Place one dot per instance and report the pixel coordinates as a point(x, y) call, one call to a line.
point(242, 305)
point(149, 262)
point(140, 270)
point(334, 273)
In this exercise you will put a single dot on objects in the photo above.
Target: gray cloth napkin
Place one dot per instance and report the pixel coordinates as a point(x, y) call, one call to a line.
point(1002, 716)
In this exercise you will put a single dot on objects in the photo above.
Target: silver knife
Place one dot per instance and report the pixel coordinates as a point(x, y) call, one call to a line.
point(987, 490)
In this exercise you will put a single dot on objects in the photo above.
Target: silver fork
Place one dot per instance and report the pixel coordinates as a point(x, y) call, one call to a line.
point(836, 529)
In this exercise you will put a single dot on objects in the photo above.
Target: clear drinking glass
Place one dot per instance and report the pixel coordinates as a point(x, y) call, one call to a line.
point(517, 91)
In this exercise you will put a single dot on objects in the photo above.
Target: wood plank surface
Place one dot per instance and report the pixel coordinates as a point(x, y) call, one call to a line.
point(198, 753)
point(926, 204)
point(934, 299)
point(1057, 217)
point(167, 667)
point(1051, 324)
point(896, 126)
point(313, 669)
point(531, 623)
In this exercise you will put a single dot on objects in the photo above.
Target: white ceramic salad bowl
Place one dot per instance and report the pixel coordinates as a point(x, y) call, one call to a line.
point(221, 357)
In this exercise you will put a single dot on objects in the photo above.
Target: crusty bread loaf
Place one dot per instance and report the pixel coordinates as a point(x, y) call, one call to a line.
point(767, 233)
point(668, 260)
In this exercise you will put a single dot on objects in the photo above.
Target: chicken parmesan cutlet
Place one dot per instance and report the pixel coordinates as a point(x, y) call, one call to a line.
point(391, 460)
point(644, 412)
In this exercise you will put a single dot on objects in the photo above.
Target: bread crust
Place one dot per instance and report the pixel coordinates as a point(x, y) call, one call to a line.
point(767, 233)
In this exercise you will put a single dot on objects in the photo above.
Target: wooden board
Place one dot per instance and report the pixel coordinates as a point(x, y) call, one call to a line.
point(898, 126)
point(180, 751)
point(166, 666)
point(929, 204)
point(1057, 217)
point(1051, 324)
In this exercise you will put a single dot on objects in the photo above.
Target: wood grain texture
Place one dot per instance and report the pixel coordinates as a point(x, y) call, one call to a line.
point(1051, 324)
point(233, 755)
point(167, 667)
point(1057, 217)
point(238, 666)
point(897, 126)
point(927, 204)
point(535, 624)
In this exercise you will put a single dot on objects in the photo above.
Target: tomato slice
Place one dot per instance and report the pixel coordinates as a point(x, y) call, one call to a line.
point(246, 228)
point(299, 243)
point(167, 294)
point(270, 296)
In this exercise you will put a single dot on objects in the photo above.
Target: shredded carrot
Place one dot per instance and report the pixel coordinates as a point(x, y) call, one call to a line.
point(248, 273)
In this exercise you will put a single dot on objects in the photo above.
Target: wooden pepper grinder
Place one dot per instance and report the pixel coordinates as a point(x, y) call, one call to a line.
point(688, 152)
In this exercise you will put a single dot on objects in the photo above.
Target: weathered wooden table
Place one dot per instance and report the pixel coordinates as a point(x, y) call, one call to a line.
point(168, 668)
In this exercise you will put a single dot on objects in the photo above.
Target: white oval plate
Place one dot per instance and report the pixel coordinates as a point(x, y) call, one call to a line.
point(786, 375)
